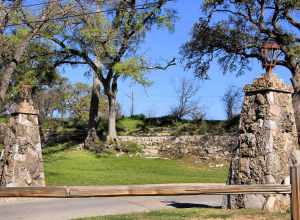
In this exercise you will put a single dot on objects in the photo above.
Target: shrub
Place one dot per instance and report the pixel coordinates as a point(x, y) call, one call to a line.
point(3, 119)
point(130, 147)
point(161, 121)
point(139, 117)
point(98, 147)
point(128, 126)
point(232, 124)
point(79, 124)
point(102, 127)
point(203, 129)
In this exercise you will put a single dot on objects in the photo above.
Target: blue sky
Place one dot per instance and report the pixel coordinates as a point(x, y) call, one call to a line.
point(161, 45)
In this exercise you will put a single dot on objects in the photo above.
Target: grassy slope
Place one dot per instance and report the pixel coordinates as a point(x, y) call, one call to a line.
point(197, 214)
point(71, 167)
point(129, 125)
point(137, 125)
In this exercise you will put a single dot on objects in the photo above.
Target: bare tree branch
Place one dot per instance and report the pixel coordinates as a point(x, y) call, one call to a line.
point(186, 105)
point(232, 100)
point(162, 67)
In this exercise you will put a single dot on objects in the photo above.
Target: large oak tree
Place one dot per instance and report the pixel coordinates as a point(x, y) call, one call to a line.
point(232, 32)
point(106, 37)
point(19, 26)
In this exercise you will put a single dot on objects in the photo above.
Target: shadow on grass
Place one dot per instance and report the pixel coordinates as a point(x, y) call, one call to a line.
point(52, 159)
point(55, 148)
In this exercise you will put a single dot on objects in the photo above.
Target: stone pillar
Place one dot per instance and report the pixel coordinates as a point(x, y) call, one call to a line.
point(267, 140)
point(22, 161)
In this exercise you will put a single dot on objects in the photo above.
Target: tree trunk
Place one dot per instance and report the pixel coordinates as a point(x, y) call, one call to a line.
point(296, 100)
point(112, 117)
point(92, 137)
point(42, 134)
point(11, 66)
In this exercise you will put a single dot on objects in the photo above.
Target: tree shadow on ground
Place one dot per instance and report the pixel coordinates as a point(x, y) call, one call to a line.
point(55, 148)
point(186, 205)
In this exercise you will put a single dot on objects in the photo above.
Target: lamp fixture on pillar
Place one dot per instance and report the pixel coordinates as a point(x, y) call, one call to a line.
point(270, 52)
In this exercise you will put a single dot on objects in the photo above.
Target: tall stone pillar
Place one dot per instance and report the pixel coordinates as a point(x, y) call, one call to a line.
point(22, 161)
point(267, 140)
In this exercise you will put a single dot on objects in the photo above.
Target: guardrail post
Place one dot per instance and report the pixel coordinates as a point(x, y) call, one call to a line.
point(295, 192)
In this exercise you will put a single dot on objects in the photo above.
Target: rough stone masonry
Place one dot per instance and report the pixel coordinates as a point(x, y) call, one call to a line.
point(199, 147)
point(22, 159)
point(267, 140)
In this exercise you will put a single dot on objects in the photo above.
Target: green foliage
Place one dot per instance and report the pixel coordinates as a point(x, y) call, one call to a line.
point(190, 128)
point(69, 101)
point(37, 72)
point(79, 101)
point(93, 30)
point(295, 52)
point(232, 124)
point(294, 4)
point(99, 148)
point(102, 126)
point(231, 33)
point(167, 20)
point(18, 36)
point(134, 68)
point(139, 125)
point(49, 150)
point(204, 128)
point(139, 117)
point(3, 119)
point(73, 167)
point(63, 126)
point(130, 147)
point(129, 125)
point(108, 42)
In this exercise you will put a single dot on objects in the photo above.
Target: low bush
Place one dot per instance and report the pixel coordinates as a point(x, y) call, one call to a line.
point(139, 117)
point(130, 147)
point(3, 119)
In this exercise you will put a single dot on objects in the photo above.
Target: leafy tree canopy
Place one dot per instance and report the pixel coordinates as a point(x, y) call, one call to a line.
point(232, 32)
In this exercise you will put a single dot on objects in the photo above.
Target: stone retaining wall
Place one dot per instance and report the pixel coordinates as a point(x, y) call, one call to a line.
point(202, 147)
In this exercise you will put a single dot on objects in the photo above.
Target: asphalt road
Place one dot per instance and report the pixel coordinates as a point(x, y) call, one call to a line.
point(65, 209)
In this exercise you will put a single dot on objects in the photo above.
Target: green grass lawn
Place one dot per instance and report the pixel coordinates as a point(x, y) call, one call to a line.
point(198, 214)
point(74, 167)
